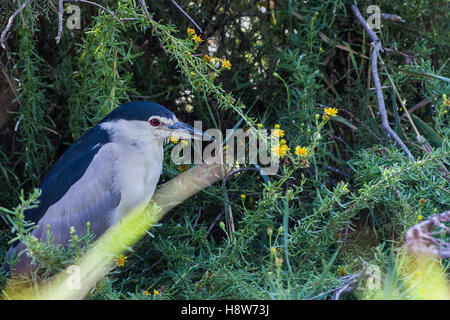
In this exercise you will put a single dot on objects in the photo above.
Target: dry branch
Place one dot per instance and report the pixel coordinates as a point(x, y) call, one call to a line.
point(10, 22)
point(349, 284)
point(376, 79)
point(420, 238)
point(392, 17)
point(186, 15)
point(61, 9)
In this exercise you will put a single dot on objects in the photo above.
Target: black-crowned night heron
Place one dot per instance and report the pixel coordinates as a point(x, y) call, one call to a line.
point(110, 170)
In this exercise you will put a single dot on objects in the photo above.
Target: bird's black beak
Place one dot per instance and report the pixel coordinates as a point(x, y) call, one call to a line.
point(184, 130)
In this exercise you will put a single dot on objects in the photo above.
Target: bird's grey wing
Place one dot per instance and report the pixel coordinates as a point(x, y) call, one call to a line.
point(92, 198)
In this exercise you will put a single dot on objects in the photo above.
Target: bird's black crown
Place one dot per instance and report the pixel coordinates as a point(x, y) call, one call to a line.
point(138, 110)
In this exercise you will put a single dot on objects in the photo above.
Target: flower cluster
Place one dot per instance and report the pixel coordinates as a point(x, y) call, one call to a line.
point(146, 293)
point(280, 149)
point(194, 36)
point(224, 62)
point(277, 132)
point(174, 140)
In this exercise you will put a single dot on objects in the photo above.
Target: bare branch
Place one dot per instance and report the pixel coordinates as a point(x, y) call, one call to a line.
point(60, 21)
point(97, 5)
point(144, 7)
point(419, 105)
point(376, 79)
point(187, 16)
point(392, 17)
point(381, 105)
point(10, 22)
point(372, 35)
point(349, 284)
point(61, 10)
point(419, 239)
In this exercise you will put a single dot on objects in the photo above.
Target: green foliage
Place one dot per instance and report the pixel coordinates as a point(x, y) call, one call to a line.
point(347, 202)
point(52, 257)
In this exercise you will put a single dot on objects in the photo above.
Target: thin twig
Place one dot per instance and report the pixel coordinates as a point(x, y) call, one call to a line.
point(97, 5)
point(408, 57)
point(4, 220)
point(144, 7)
point(350, 283)
point(230, 220)
point(392, 17)
point(213, 224)
point(10, 22)
point(61, 10)
point(376, 79)
point(10, 83)
point(60, 20)
point(419, 105)
point(372, 35)
point(187, 16)
point(381, 105)
point(147, 14)
point(195, 224)
point(360, 122)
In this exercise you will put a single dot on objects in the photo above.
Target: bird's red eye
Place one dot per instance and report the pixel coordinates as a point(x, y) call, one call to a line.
point(154, 122)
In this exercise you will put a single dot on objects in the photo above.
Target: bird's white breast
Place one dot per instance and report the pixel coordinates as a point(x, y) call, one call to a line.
point(137, 169)
point(136, 176)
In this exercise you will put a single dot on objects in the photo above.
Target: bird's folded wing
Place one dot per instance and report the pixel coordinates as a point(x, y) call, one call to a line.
point(93, 198)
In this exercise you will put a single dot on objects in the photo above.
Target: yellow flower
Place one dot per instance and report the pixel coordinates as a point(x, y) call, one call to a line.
point(330, 112)
point(419, 217)
point(260, 125)
point(243, 197)
point(278, 133)
point(208, 58)
point(156, 292)
point(120, 261)
point(301, 151)
point(173, 140)
point(183, 167)
point(278, 261)
point(277, 126)
point(341, 271)
point(145, 292)
point(282, 141)
point(196, 38)
point(190, 31)
point(280, 150)
point(226, 64)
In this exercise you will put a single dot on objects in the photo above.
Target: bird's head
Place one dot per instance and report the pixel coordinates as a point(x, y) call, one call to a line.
point(145, 121)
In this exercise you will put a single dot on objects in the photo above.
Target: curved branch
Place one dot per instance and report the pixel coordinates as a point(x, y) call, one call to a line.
point(186, 15)
point(10, 22)
point(376, 79)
